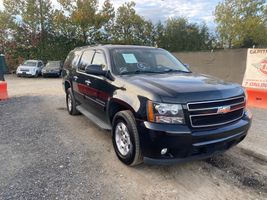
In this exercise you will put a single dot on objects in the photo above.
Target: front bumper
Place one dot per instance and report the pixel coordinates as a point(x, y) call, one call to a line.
point(50, 74)
point(26, 74)
point(185, 144)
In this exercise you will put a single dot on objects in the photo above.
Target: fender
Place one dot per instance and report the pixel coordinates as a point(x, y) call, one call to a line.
point(136, 104)
point(64, 84)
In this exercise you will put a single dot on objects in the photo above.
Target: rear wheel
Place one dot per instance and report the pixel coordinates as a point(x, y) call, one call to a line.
point(36, 74)
point(71, 103)
point(125, 138)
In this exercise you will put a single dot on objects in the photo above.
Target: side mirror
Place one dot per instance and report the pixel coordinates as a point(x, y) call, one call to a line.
point(95, 70)
point(186, 65)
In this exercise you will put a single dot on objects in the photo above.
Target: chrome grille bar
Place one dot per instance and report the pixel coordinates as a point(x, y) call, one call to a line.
point(204, 114)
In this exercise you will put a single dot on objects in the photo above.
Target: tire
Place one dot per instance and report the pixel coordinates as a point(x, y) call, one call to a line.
point(133, 156)
point(71, 103)
point(36, 74)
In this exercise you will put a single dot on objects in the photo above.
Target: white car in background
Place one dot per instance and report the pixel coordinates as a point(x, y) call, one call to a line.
point(30, 68)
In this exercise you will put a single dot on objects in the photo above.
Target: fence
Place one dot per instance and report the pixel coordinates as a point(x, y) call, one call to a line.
point(227, 64)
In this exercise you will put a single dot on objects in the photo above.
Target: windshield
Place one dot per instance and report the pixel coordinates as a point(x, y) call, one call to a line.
point(30, 63)
point(53, 64)
point(144, 60)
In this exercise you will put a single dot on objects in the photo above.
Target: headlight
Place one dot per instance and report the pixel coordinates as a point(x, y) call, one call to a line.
point(165, 113)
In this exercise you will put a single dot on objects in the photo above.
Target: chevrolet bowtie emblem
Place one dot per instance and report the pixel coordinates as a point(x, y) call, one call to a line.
point(223, 109)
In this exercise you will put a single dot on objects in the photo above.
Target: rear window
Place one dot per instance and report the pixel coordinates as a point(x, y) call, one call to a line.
point(52, 64)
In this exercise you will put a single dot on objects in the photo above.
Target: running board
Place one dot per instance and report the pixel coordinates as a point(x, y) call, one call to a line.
point(99, 122)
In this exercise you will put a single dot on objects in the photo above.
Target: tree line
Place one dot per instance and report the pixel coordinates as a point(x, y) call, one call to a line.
point(36, 29)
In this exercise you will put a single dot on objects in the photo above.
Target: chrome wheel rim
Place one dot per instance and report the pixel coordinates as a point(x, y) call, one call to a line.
point(122, 137)
point(69, 102)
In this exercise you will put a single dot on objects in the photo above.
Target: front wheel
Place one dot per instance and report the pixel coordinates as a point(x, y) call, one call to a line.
point(71, 103)
point(125, 138)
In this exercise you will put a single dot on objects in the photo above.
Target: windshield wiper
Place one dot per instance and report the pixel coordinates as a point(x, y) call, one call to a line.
point(154, 72)
point(140, 72)
point(175, 70)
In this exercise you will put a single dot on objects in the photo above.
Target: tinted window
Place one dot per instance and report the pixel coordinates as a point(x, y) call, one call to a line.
point(86, 59)
point(99, 59)
point(67, 63)
point(76, 59)
point(39, 64)
point(53, 64)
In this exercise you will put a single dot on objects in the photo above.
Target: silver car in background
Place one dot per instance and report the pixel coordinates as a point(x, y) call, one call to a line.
point(30, 68)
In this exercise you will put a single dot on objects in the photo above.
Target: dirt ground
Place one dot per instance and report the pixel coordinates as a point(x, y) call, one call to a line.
point(47, 154)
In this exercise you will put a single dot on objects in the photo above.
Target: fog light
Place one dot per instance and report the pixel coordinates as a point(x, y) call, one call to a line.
point(164, 151)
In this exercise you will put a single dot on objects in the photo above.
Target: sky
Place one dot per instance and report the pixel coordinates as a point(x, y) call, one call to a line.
point(195, 10)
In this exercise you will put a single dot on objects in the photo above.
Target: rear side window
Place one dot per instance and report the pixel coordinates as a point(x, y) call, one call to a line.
point(70, 57)
point(76, 59)
point(86, 59)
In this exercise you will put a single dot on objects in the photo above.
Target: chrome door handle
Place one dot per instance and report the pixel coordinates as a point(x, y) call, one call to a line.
point(88, 82)
point(75, 78)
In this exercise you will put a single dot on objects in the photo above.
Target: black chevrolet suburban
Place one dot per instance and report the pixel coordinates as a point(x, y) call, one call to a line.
point(158, 111)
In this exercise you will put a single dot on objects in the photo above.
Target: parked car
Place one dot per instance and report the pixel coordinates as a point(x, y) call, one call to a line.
point(52, 68)
point(30, 68)
point(158, 111)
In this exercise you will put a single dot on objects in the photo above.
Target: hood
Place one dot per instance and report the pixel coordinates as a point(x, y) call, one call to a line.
point(27, 67)
point(185, 87)
point(52, 68)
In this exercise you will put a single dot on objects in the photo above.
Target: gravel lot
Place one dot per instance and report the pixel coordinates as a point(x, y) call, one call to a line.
point(47, 154)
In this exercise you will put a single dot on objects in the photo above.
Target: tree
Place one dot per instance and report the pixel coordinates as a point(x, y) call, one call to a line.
point(105, 22)
point(130, 28)
point(241, 23)
point(5, 23)
point(159, 34)
point(180, 35)
point(83, 16)
point(35, 16)
point(34, 29)
point(27, 26)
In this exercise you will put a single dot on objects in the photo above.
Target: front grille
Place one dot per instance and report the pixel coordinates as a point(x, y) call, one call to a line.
point(25, 70)
point(215, 113)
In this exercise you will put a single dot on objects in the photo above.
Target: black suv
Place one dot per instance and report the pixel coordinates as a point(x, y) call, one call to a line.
point(157, 109)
